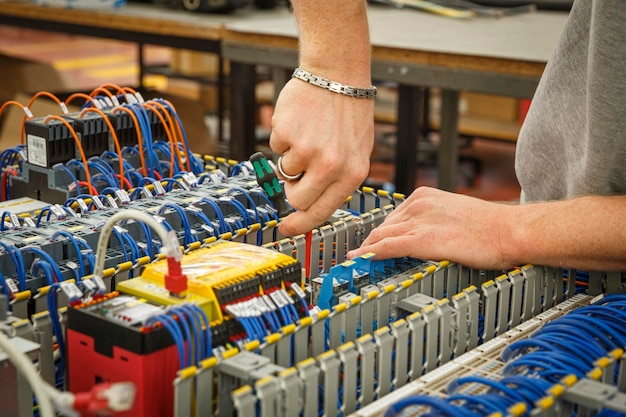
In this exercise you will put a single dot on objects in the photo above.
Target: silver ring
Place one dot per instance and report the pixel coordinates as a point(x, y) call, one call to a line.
point(283, 174)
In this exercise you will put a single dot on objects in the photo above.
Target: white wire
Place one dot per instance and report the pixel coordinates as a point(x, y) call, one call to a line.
point(167, 239)
point(25, 366)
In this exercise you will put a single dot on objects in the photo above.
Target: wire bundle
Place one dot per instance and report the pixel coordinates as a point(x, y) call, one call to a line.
point(569, 345)
point(190, 330)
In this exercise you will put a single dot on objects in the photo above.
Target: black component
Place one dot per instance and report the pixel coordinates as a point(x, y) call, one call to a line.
point(92, 131)
point(106, 333)
point(125, 128)
point(293, 273)
point(225, 332)
point(271, 280)
point(227, 293)
point(49, 143)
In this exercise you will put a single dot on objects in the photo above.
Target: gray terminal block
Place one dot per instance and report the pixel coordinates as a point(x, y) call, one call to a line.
point(416, 303)
point(249, 367)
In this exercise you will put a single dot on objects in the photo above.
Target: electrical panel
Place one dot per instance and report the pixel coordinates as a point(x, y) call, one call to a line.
point(207, 310)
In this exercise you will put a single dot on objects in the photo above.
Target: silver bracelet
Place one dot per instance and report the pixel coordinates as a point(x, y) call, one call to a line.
point(334, 86)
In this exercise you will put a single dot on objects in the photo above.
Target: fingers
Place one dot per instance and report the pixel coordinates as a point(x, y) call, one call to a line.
point(303, 220)
point(390, 247)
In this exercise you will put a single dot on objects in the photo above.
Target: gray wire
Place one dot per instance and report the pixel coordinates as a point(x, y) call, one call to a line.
point(25, 366)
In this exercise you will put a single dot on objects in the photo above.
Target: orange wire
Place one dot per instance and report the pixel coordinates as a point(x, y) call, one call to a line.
point(100, 89)
point(180, 134)
point(43, 94)
point(139, 136)
point(12, 102)
point(129, 90)
point(79, 95)
point(113, 134)
point(78, 144)
point(119, 89)
point(167, 132)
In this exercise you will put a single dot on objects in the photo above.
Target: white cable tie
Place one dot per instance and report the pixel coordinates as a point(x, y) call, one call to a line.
point(123, 197)
point(112, 202)
point(83, 206)
point(15, 221)
point(64, 108)
point(97, 203)
point(130, 99)
point(28, 113)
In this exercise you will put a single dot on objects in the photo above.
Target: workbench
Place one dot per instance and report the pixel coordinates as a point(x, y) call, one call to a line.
point(501, 56)
point(414, 49)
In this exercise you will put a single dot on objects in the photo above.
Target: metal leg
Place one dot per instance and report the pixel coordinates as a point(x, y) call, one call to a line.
point(409, 110)
point(140, 57)
point(221, 85)
point(448, 147)
point(242, 110)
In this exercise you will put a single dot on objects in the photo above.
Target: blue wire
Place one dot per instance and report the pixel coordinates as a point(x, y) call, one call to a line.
point(56, 324)
point(190, 319)
point(18, 261)
point(189, 236)
point(187, 336)
point(200, 214)
point(45, 256)
point(135, 252)
point(46, 268)
point(208, 342)
point(434, 403)
point(41, 212)
point(71, 175)
point(494, 385)
point(172, 328)
point(73, 241)
point(110, 179)
point(147, 232)
point(5, 214)
point(223, 226)
point(122, 245)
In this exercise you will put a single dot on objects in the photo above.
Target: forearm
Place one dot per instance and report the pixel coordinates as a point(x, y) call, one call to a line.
point(334, 40)
point(587, 233)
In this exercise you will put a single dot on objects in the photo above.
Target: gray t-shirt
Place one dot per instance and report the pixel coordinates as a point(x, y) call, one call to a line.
point(573, 141)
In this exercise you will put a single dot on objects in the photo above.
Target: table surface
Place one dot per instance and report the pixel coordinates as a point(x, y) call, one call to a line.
point(518, 44)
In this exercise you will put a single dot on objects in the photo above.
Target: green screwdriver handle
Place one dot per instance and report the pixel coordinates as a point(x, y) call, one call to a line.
point(268, 181)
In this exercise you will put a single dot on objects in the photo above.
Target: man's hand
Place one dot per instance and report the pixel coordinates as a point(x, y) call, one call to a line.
point(327, 136)
point(437, 225)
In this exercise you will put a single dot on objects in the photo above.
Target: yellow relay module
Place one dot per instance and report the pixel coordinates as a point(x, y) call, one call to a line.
point(223, 273)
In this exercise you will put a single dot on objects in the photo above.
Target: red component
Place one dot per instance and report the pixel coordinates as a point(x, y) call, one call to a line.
point(175, 280)
point(151, 373)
